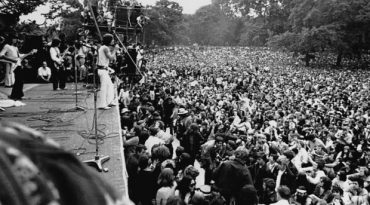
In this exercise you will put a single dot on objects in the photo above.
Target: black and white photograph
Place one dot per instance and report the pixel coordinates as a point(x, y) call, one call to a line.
point(184, 102)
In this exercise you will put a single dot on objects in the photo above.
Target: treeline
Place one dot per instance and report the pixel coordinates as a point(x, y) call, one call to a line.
point(301, 26)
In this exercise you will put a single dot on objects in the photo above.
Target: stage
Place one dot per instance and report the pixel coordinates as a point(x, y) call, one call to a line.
point(54, 114)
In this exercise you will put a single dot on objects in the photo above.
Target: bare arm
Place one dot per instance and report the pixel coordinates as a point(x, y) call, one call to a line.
point(110, 55)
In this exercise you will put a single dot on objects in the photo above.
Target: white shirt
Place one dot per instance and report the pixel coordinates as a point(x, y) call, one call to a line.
point(165, 136)
point(44, 71)
point(55, 54)
point(151, 141)
point(124, 97)
point(301, 157)
point(281, 202)
point(103, 60)
point(317, 178)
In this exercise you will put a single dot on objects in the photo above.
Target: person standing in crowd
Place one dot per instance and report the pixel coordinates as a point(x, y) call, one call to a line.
point(283, 195)
point(106, 93)
point(57, 69)
point(247, 196)
point(10, 51)
point(232, 175)
point(167, 186)
point(44, 73)
point(20, 77)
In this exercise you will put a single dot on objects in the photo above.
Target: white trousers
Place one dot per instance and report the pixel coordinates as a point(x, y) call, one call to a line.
point(106, 93)
point(9, 75)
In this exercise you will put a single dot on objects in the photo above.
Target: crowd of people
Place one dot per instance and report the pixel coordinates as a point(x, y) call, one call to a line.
point(264, 129)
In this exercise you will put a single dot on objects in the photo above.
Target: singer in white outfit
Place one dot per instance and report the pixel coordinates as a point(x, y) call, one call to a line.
point(10, 50)
point(106, 94)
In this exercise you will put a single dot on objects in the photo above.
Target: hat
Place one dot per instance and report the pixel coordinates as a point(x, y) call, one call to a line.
point(182, 111)
point(205, 189)
point(124, 110)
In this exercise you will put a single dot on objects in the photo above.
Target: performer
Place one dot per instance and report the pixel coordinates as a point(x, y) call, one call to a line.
point(106, 93)
point(10, 51)
point(20, 76)
point(57, 70)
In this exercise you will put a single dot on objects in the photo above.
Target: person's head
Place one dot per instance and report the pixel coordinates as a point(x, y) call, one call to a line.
point(81, 59)
point(153, 131)
point(337, 190)
point(108, 40)
point(261, 159)
point(185, 160)
point(12, 39)
point(179, 151)
point(44, 64)
point(186, 185)
point(55, 42)
point(144, 161)
point(160, 153)
point(325, 183)
point(166, 178)
point(301, 194)
point(140, 149)
point(283, 192)
point(25, 62)
point(356, 182)
point(247, 196)
point(342, 175)
point(191, 171)
point(268, 184)
point(241, 155)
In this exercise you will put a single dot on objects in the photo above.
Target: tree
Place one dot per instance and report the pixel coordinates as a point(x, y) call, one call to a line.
point(67, 14)
point(339, 26)
point(61, 9)
point(166, 16)
point(19, 7)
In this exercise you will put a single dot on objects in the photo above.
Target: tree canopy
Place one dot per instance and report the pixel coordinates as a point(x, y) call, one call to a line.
point(301, 26)
point(304, 27)
point(19, 7)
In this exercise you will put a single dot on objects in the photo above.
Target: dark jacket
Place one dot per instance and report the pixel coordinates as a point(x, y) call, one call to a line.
point(230, 176)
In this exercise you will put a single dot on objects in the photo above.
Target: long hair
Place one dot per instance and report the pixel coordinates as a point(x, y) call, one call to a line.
point(166, 178)
point(55, 42)
point(107, 39)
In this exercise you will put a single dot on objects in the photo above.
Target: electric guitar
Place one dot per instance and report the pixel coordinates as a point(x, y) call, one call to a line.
point(61, 66)
point(18, 60)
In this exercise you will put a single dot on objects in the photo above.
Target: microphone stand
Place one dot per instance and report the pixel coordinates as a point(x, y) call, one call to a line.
point(98, 160)
point(77, 107)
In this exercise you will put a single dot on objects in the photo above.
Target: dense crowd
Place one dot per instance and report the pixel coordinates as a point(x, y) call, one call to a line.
point(263, 128)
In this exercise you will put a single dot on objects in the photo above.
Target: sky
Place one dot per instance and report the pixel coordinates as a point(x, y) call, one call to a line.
point(189, 7)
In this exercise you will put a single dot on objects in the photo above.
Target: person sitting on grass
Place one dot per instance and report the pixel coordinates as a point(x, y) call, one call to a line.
point(44, 73)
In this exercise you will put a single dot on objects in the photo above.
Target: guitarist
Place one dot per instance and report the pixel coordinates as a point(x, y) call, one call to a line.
point(58, 74)
point(20, 76)
point(10, 51)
